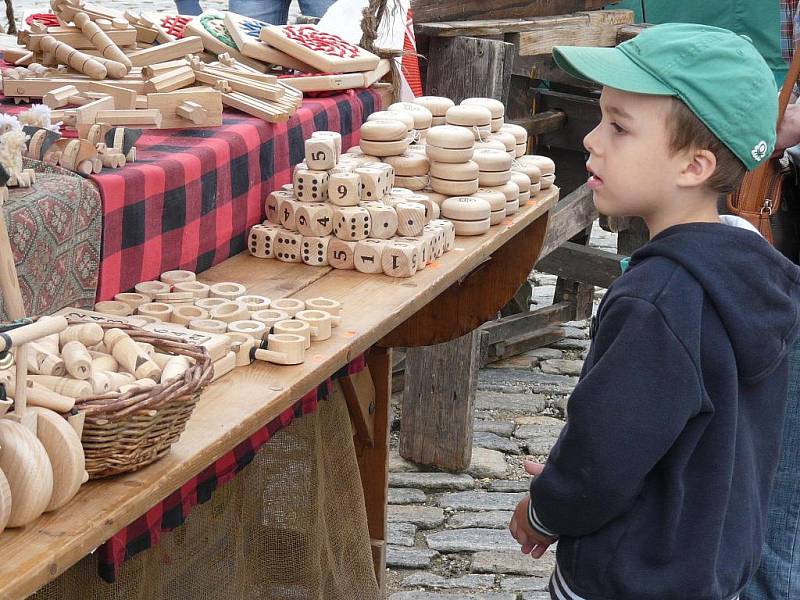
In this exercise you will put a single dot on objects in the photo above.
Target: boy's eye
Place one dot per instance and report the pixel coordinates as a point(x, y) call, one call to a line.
point(616, 127)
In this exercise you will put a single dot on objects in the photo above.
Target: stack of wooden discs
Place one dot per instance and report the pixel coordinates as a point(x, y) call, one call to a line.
point(520, 136)
point(438, 106)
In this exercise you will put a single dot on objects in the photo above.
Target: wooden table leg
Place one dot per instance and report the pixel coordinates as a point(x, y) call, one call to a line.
point(373, 460)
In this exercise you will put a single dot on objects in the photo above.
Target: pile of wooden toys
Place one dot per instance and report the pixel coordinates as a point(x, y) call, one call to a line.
point(235, 327)
point(424, 172)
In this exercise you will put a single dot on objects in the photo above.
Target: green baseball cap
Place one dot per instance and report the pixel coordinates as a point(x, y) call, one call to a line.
point(718, 74)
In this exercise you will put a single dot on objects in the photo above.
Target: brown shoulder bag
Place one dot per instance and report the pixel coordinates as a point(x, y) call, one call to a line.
point(759, 195)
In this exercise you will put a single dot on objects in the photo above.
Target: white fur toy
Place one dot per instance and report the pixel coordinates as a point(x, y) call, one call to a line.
point(39, 115)
point(12, 146)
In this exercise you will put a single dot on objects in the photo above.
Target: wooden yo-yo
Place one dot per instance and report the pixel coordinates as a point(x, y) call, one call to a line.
point(251, 327)
point(459, 179)
point(471, 216)
point(496, 109)
point(183, 315)
point(524, 184)
point(449, 233)
point(208, 326)
point(77, 360)
point(344, 189)
point(132, 299)
point(310, 185)
point(151, 288)
point(351, 223)
point(341, 253)
point(383, 220)
point(114, 307)
point(520, 137)
point(130, 355)
point(282, 349)
point(497, 203)
point(449, 144)
point(292, 306)
point(508, 140)
point(328, 305)
point(438, 106)
point(511, 191)
point(422, 116)
point(314, 219)
point(314, 251)
point(270, 316)
point(410, 218)
point(229, 312)
point(494, 167)
point(294, 327)
point(157, 310)
point(228, 290)
point(413, 183)
point(546, 166)
point(319, 321)
point(409, 164)
point(476, 119)
point(384, 137)
point(399, 259)
point(287, 246)
point(376, 181)
point(242, 345)
point(320, 153)
point(177, 276)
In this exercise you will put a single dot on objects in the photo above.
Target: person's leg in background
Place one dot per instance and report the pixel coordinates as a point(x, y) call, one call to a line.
point(778, 577)
point(275, 12)
point(314, 8)
point(188, 7)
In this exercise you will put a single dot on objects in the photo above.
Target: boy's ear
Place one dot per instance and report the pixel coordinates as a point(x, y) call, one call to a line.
point(699, 167)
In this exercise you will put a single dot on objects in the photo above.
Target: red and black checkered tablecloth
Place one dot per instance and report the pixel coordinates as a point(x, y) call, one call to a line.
point(192, 195)
point(171, 512)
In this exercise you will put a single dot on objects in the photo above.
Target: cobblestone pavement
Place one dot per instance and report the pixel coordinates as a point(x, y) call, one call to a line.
point(448, 533)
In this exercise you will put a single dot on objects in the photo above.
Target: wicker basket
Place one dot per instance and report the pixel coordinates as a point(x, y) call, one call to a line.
point(125, 432)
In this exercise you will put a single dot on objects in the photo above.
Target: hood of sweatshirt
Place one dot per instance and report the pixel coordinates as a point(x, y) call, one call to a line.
point(730, 263)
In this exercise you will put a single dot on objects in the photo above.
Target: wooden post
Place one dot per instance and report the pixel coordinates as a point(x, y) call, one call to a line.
point(373, 460)
point(485, 68)
point(438, 407)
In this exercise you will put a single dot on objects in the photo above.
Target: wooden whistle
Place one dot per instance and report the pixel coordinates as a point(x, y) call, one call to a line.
point(77, 360)
point(130, 355)
point(117, 380)
point(100, 383)
point(38, 395)
point(100, 40)
point(74, 388)
point(176, 367)
point(87, 334)
point(42, 362)
point(68, 55)
point(103, 362)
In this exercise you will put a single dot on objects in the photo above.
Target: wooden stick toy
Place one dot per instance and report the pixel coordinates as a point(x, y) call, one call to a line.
point(100, 40)
point(76, 59)
point(282, 349)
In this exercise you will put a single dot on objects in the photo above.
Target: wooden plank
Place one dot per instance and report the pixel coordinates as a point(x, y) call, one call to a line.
point(359, 392)
point(571, 216)
point(597, 28)
point(166, 52)
point(526, 341)
point(498, 330)
point(484, 68)
point(438, 408)
point(168, 102)
point(631, 31)
point(453, 10)
point(545, 68)
point(37, 88)
point(544, 122)
point(239, 404)
point(583, 115)
point(582, 263)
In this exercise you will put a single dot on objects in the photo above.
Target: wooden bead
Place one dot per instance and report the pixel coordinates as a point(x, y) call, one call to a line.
point(320, 154)
point(383, 219)
point(157, 310)
point(314, 251)
point(130, 356)
point(112, 307)
point(410, 218)
point(287, 246)
point(319, 321)
point(228, 290)
point(77, 360)
point(208, 326)
point(314, 219)
point(132, 299)
point(344, 189)
point(449, 233)
point(294, 327)
point(261, 241)
point(178, 276)
point(368, 256)
point(399, 259)
point(292, 306)
point(287, 211)
point(351, 223)
point(229, 312)
point(270, 316)
point(282, 349)
point(310, 185)
point(183, 315)
point(341, 254)
point(87, 334)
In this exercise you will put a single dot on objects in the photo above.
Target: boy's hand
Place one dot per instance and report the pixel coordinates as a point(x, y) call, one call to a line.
point(532, 542)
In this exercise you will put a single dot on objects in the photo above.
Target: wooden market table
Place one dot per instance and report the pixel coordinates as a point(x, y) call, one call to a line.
point(454, 295)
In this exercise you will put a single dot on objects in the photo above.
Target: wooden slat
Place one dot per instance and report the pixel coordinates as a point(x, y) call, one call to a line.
point(236, 406)
point(453, 10)
point(583, 115)
point(597, 28)
point(359, 392)
point(582, 263)
point(545, 122)
point(571, 216)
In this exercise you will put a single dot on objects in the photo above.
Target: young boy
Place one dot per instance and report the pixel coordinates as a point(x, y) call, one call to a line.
point(658, 485)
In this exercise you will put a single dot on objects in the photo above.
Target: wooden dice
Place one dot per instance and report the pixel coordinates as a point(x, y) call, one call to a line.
point(368, 256)
point(420, 246)
point(287, 246)
point(344, 189)
point(310, 185)
point(287, 213)
point(399, 259)
point(314, 219)
point(383, 219)
point(314, 251)
point(320, 153)
point(449, 233)
point(272, 205)
point(376, 181)
point(335, 136)
point(410, 218)
point(351, 223)
point(341, 254)
point(261, 241)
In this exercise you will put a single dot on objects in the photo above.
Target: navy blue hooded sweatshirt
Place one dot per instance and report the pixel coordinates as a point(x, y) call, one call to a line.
point(658, 485)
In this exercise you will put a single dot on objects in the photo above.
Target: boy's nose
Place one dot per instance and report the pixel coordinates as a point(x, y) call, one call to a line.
point(589, 141)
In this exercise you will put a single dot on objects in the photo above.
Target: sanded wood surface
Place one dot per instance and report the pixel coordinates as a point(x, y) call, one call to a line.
point(450, 10)
point(233, 408)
